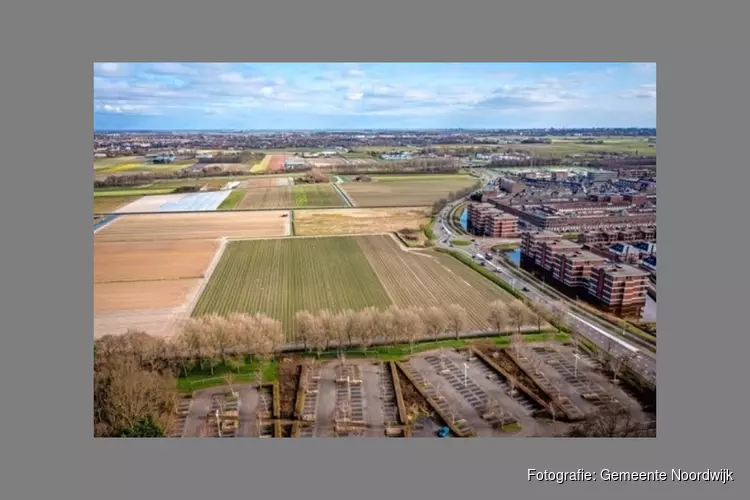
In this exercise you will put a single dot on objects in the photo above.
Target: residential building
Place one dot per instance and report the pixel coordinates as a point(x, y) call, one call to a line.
point(619, 288)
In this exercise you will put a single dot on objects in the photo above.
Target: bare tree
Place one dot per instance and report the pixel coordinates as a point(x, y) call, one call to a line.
point(518, 314)
point(125, 393)
point(137, 343)
point(385, 325)
point(611, 421)
point(319, 339)
point(435, 322)
point(219, 334)
point(243, 330)
point(456, 318)
point(348, 325)
point(365, 326)
point(339, 328)
point(305, 328)
point(327, 328)
point(560, 314)
point(411, 325)
point(498, 315)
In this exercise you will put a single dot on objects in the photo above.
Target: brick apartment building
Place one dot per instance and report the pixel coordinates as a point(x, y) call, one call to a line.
point(580, 216)
point(598, 237)
point(486, 220)
point(616, 288)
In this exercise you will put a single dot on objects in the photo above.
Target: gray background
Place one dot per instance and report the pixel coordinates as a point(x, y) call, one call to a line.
point(46, 296)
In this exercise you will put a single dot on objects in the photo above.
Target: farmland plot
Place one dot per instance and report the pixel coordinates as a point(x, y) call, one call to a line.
point(265, 182)
point(403, 193)
point(105, 204)
point(430, 279)
point(279, 277)
point(358, 221)
point(316, 195)
point(272, 197)
point(207, 225)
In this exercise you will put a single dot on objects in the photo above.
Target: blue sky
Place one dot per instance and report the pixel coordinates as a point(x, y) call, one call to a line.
point(372, 95)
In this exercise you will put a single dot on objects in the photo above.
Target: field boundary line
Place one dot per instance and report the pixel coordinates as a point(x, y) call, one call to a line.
point(206, 276)
point(344, 195)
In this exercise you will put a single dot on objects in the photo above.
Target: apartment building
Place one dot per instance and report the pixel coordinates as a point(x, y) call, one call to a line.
point(616, 288)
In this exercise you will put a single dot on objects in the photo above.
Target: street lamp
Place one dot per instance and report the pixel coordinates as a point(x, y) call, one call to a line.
point(575, 374)
point(466, 374)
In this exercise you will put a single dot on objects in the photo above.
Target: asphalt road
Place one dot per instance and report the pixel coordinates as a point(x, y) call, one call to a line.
point(644, 362)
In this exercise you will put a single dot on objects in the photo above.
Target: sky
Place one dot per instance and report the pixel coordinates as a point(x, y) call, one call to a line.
point(270, 96)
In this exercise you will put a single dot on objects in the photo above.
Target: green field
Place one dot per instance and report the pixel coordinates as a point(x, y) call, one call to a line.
point(279, 277)
point(231, 201)
point(316, 195)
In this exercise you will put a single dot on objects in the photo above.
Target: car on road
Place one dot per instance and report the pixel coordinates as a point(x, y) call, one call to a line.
point(525, 289)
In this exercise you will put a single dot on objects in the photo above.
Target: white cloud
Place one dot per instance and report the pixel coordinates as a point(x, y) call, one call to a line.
point(645, 91)
point(231, 78)
point(110, 69)
point(354, 96)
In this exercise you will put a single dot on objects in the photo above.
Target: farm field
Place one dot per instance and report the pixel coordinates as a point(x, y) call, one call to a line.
point(279, 277)
point(151, 260)
point(430, 279)
point(265, 182)
point(140, 191)
point(277, 163)
point(231, 201)
point(210, 182)
point(148, 269)
point(272, 197)
point(261, 166)
point(402, 193)
point(106, 163)
point(207, 201)
point(316, 195)
point(269, 163)
point(560, 147)
point(140, 295)
point(418, 177)
point(141, 165)
point(105, 204)
point(357, 221)
point(209, 225)
point(302, 195)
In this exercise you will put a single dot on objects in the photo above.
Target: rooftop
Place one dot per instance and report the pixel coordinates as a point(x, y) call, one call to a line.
point(622, 270)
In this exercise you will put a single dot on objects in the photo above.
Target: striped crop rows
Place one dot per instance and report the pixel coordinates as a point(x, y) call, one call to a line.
point(280, 277)
point(430, 279)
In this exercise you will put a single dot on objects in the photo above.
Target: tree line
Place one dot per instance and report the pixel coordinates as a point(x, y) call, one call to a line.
point(135, 374)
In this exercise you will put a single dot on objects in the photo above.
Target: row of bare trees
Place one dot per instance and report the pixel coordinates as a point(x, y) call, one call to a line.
point(325, 329)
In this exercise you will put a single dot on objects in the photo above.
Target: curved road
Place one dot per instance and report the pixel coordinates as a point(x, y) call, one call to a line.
point(604, 337)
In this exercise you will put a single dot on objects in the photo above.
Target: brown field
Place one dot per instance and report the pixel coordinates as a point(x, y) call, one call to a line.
point(152, 260)
point(149, 268)
point(428, 278)
point(272, 197)
point(357, 221)
point(402, 193)
point(277, 163)
point(127, 296)
point(207, 225)
point(106, 204)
